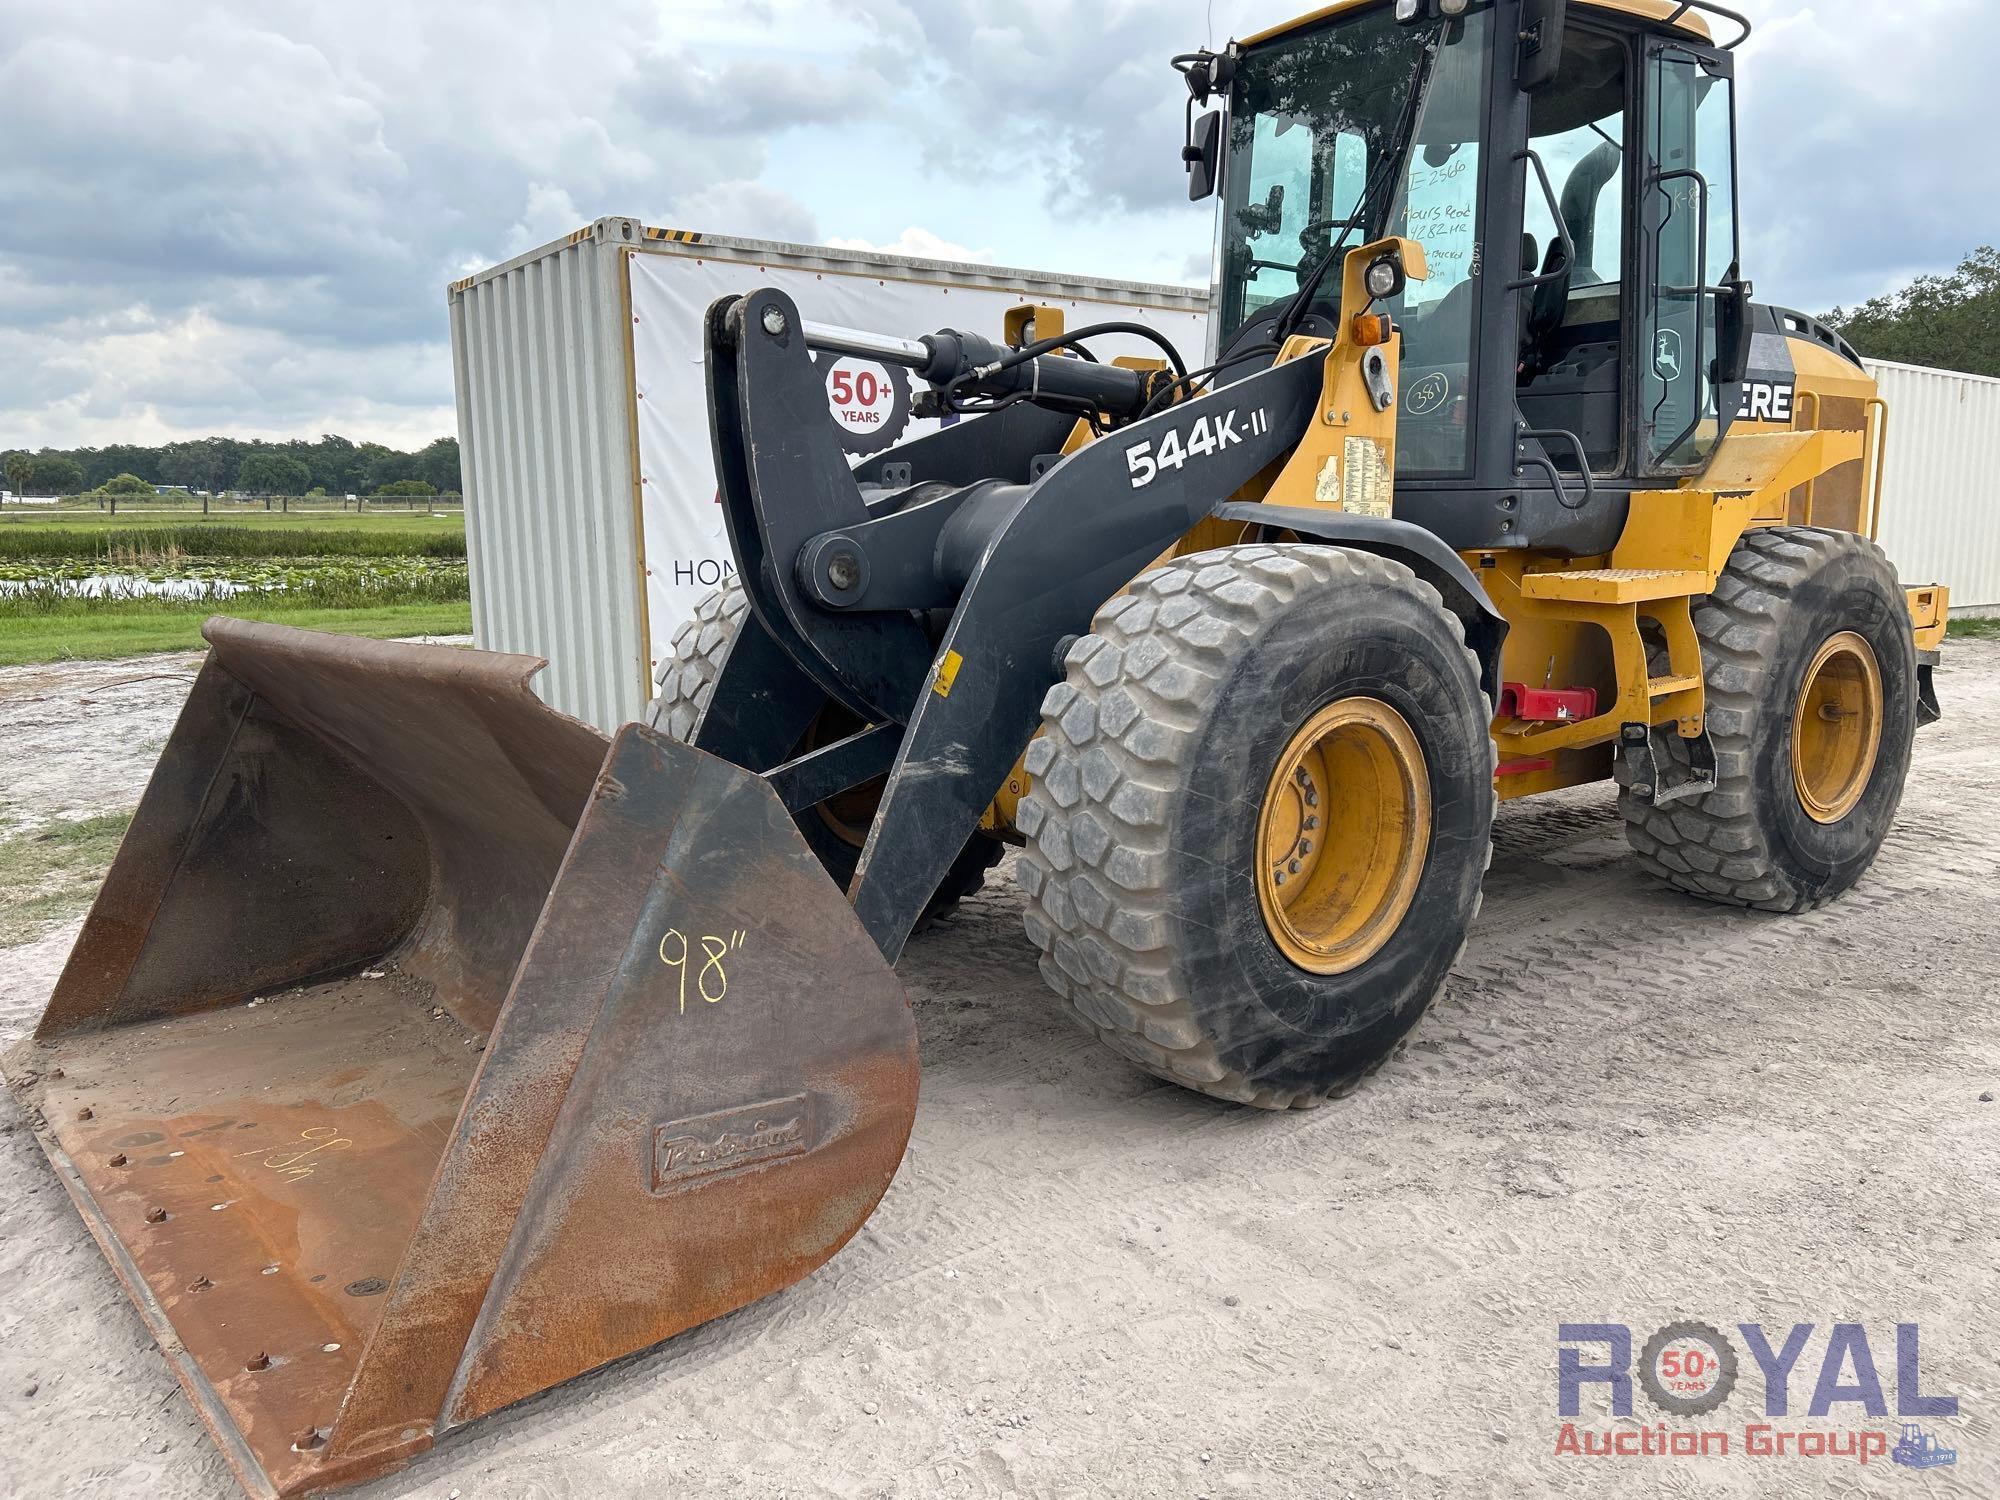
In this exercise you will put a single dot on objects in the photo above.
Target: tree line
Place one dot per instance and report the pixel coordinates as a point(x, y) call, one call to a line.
point(1948, 322)
point(334, 464)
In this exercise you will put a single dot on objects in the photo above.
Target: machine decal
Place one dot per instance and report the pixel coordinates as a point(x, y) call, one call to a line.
point(1209, 435)
point(1767, 401)
point(947, 673)
point(870, 402)
point(1667, 354)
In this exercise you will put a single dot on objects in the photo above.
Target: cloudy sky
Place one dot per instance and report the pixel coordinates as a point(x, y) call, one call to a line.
point(240, 215)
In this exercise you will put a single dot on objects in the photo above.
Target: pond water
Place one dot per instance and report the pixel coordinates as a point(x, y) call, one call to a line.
point(227, 577)
point(123, 586)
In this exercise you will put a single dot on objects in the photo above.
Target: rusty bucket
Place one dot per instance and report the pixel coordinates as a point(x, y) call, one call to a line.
point(423, 1051)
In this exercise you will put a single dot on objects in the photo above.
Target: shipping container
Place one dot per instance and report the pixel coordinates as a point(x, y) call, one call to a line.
point(591, 522)
point(1941, 482)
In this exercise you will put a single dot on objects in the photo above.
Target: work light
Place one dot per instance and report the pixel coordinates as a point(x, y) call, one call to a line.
point(1406, 10)
point(1384, 279)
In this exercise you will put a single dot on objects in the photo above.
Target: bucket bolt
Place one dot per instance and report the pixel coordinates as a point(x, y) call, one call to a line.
point(843, 570)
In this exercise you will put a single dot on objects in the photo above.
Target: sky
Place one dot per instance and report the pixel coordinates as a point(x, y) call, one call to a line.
point(240, 216)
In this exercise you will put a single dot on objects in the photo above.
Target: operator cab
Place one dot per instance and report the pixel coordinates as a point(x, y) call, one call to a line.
point(1575, 199)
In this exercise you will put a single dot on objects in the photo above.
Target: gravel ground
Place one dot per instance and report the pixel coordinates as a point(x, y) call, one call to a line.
point(1627, 1107)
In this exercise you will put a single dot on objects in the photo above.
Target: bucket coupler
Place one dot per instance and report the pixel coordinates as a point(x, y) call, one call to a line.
point(847, 586)
point(423, 1051)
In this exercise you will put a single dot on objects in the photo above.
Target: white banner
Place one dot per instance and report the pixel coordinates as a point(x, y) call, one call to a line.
point(686, 549)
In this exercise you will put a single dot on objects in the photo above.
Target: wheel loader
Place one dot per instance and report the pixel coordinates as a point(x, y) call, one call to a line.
point(424, 1050)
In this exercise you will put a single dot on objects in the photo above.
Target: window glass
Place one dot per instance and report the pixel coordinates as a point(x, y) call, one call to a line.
point(1312, 119)
point(1438, 207)
point(1586, 165)
point(1691, 202)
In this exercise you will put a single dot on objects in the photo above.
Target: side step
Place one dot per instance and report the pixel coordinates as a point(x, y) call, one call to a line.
point(1615, 585)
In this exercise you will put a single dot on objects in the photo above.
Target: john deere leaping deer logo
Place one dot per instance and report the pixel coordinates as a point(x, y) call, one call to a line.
point(1667, 354)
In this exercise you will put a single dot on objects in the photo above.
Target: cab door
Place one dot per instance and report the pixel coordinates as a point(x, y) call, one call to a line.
point(1688, 254)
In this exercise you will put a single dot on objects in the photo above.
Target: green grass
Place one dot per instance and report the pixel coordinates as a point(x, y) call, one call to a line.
point(144, 544)
point(142, 627)
point(1976, 630)
point(376, 573)
point(52, 875)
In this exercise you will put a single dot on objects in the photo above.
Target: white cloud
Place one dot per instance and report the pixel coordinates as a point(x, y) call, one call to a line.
point(916, 241)
point(748, 209)
point(224, 216)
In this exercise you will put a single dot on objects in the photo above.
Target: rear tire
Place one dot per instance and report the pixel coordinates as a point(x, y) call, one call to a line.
point(1166, 759)
point(1796, 609)
point(686, 681)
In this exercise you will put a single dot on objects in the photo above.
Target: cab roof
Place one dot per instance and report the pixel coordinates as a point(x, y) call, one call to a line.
point(1646, 10)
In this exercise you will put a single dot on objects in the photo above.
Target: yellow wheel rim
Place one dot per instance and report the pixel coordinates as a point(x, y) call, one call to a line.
point(849, 816)
point(1342, 835)
point(1837, 728)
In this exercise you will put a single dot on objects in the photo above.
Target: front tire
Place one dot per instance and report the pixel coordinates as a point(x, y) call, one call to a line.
point(1810, 661)
point(1262, 808)
point(836, 829)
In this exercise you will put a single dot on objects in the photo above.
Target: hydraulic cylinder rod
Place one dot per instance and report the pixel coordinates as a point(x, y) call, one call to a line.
point(981, 368)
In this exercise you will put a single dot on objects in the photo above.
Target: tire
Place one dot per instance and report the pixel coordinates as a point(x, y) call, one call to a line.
point(686, 677)
point(1151, 777)
point(686, 681)
point(1786, 595)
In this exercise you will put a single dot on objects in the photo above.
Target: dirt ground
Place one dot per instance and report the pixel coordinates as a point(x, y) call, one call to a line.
point(1628, 1107)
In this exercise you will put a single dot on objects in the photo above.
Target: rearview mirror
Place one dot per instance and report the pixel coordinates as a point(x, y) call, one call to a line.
point(1203, 150)
point(1539, 57)
point(1265, 218)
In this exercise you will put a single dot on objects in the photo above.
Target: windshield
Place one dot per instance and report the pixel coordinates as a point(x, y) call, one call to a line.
point(1308, 120)
point(1312, 118)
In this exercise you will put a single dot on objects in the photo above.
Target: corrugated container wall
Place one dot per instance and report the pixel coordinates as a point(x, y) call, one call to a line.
point(544, 417)
point(1941, 485)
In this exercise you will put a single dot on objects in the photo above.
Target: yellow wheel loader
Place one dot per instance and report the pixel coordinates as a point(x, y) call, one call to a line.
point(425, 1050)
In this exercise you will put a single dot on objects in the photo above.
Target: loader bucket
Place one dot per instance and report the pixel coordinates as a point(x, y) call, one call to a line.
point(422, 1051)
